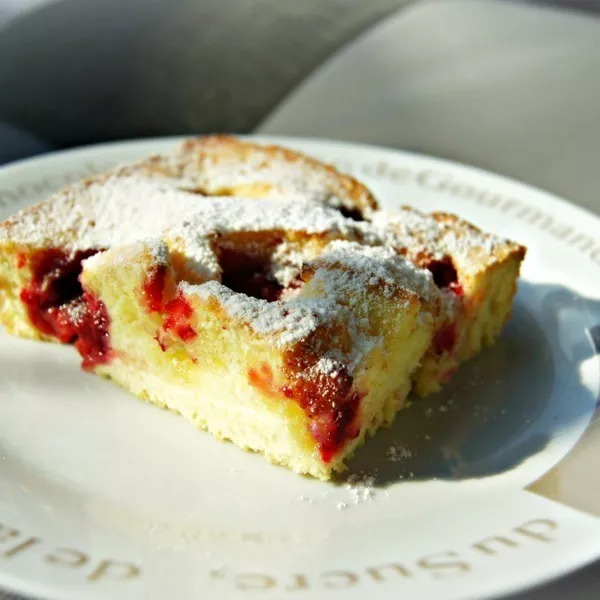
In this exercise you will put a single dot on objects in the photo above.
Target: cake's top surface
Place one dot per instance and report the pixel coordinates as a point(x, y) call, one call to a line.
point(424, 237)
point(146, 198)
point(176, 191)
point(125, 209)
point(210, 189)
point(340, 279)
point(284, 322)
point(101, 214)
point(360, 266)
point(223, 165)
point(235, 215)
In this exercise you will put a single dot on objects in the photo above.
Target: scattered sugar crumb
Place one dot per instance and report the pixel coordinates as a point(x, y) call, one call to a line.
point(468, 247)
point(396, 453)
point(360, 488)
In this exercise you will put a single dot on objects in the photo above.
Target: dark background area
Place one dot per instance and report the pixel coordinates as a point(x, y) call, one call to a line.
point(77, 72)
point(84, 71)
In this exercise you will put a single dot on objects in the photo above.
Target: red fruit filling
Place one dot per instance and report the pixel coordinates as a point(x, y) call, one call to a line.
point(445, 338)
point(250, 274)
point(444, 274)
point(91, 330)
point(445, 277)
point(177, 320)
point(177, 312)
point(456, 288)
point(334, 427)
point(58, 306)
point(330, 402)
point(153, 288)
point(253, 283)
point(351, 213)
point(247, 274)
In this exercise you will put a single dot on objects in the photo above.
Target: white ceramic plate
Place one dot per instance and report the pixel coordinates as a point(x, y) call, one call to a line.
point(103, 496)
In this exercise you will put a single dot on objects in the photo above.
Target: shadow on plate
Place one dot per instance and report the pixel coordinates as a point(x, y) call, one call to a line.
point(501, 407)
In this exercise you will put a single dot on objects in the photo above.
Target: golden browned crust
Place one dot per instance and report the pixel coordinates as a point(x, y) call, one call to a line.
point(219, 147)
point(188, 166)
point(462, 227)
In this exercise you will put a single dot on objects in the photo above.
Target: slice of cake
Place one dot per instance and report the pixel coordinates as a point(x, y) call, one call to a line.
point(257, 292)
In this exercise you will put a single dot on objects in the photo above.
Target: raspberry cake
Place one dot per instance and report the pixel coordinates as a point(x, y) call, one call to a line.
point(258, 292)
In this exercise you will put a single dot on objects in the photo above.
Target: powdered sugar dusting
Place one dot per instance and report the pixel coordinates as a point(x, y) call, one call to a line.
point(77, 311)
point(328, 365)
point(287, 262)
point(286, 322)
point(149, 201)
point(103, 214)
point(424, 235)
point(124, 209)
point(215, 217)
point(336, 291)
point(372, 265)
point(235, 214)
point(158, 250)
point(218, 166)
